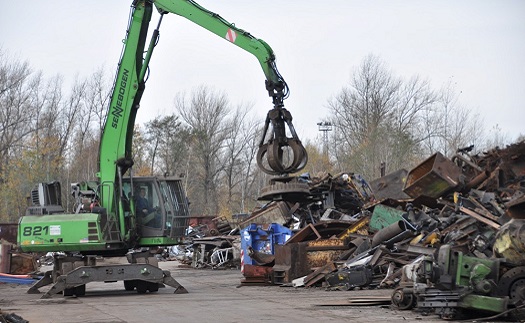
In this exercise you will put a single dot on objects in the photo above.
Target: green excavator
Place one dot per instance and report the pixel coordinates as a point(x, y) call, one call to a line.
point(108, 220)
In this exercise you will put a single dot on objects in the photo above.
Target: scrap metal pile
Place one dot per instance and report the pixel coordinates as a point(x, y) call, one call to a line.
point(447, 236)
point(208, 246)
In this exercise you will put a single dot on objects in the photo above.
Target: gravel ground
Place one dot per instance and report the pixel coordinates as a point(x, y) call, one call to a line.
point(214, 296)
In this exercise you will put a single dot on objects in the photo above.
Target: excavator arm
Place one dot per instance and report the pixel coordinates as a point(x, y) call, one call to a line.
point(213, 22)
point(270, 157)
point(278, 155)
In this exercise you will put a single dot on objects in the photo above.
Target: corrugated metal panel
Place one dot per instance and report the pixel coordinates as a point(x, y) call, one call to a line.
point(5, 258)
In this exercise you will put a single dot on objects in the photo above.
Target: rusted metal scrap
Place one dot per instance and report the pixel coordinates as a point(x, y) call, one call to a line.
point(214, 252)
point(350, 234)
point(480, 264)
point(450, 204)
point(390, 186)
point(8, 232)
point(318, 209)
point(314, 246)
point(302, 200)
point(273, 212)
point(434, 177)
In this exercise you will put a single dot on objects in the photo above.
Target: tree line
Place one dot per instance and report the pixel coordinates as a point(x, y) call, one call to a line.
point(48, 133)
point(383, 119)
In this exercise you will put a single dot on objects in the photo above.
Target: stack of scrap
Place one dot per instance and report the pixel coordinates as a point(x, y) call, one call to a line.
point(12, 262)
point(215, 252)
point(317, 210)
point(348, 233)
point(298, 201)
point(473, 204)
point(210, 242)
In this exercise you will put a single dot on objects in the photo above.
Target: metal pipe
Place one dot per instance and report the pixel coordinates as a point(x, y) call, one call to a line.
point(389, 232)
point(480, 178)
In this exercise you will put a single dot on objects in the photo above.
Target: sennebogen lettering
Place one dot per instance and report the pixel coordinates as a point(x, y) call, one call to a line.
point(117, 110)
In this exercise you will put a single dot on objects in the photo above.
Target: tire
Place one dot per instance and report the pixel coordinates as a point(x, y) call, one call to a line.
point(404, 300)
point(153, 287)
point(512, 284)
point(142, 286)
point(80, 290)
point(129, 285)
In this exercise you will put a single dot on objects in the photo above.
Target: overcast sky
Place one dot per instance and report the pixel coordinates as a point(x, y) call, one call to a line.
point(479, 46)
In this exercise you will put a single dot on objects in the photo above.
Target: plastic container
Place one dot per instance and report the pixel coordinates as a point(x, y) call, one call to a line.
point(262, 238)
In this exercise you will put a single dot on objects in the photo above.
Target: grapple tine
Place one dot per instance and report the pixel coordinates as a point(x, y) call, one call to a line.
point(272, 151)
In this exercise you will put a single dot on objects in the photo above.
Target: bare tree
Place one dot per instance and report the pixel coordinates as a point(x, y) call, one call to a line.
point(239, 162)
point(497, 138)
point(15, 95)
point(450, 126)
point(31, 141)
point(166, 140)
point(415, 99)
point(360, 115)
point(98, 97)
point(377, 119)
point(318, 159)
point(91, 113)
point(252, 176)
point(139, 149)
point(361, 109)
point(206, 114)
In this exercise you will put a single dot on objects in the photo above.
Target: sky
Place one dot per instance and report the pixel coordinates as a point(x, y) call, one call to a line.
point(478, 46)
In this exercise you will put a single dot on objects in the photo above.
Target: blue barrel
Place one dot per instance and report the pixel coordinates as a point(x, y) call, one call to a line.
point(262, 238)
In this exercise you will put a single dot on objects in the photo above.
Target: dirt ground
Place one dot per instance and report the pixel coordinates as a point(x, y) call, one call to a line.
point(214, 296)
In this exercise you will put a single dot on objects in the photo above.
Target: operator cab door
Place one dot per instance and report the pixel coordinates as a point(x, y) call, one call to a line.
point(149, 209)
point(161, 206)
point(176, 206)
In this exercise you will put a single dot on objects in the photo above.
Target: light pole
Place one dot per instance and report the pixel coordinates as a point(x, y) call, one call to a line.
point(324, 127)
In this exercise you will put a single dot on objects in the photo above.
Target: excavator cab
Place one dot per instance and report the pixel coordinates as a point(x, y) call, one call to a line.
point(161, 209)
